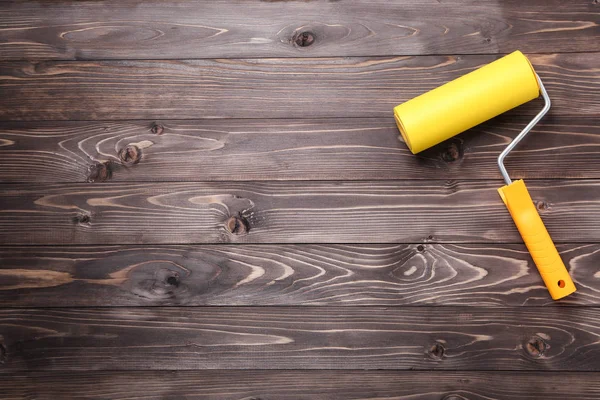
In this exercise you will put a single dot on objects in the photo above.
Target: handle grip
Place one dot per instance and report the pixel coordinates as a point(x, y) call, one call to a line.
point(539, 243)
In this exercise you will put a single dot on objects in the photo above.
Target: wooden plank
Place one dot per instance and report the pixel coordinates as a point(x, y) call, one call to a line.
point(448, 338)
point(289, 212)
point(200, 29)
point(330, 385)
point(265, 88)
point(312, 149)
point(430, 274)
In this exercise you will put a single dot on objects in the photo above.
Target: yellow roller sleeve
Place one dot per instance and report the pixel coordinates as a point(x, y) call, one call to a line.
point(467, 101)
point(536, 238)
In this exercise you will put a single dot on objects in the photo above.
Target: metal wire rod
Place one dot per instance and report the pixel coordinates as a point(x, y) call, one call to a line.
point(524, 132)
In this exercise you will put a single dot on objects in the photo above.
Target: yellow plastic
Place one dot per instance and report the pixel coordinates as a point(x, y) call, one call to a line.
point(536, 238)
point(467, 101)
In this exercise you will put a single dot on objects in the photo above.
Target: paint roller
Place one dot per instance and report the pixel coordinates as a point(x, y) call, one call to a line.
point(470, 100)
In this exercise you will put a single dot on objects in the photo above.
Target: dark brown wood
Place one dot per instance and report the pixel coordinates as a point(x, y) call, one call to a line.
point(303, 385)
point(180, 181)
point(300, 212)
point(313, 149)
point(265, 88)
point(237, 28)
point(450, 338)
point(443, 275)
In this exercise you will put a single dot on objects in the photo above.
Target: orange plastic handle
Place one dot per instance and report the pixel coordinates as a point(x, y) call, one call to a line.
point(536, 238)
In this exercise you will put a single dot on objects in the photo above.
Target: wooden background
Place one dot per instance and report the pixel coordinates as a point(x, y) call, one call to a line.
point(209, 200)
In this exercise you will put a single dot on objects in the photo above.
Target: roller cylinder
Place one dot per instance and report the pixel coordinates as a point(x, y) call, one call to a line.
point(466, 102)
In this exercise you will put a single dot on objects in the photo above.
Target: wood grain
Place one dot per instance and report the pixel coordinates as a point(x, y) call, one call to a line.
point(430, 274)
point(265, 88)
point(304, 385)
point(559, 338)
point(176, 178)
point(311, 149)
point(237, 28)
point(300, 212)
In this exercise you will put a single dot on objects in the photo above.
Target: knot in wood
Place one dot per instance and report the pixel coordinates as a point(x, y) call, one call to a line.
point(238, 225)
point(542, 205)
point(82, 219)
point(536, 346)
point(99, 172)
point(173, 280)
point(304, 39)
point(420, 248)
point(452, 152)
point(437, 351)
point(166, 284)
point(130, 155)
point(157, 129)
point(454, 397)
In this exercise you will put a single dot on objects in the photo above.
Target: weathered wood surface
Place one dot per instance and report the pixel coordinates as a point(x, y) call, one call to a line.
point(234, 28)
point(137, 139)
point(289, 212)
point(312, 149)
point(301, 385)
point(448, 338)
point(429, 274)
point(265, 88)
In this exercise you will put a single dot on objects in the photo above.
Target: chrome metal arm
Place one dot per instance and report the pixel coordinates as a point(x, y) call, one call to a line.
point(524, 132)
